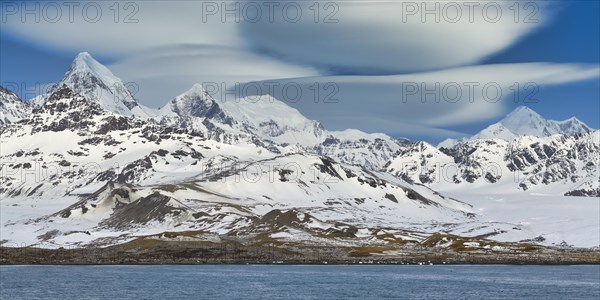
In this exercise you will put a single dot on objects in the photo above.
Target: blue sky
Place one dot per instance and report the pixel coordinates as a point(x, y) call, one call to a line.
point(367, 52)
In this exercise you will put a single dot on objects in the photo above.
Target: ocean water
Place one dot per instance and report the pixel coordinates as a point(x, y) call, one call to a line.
point(299, 282)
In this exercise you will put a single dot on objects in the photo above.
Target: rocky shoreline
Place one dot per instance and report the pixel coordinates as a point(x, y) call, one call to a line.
point(142, 251)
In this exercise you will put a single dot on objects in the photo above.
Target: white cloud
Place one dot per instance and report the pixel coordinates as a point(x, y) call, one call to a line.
point(397, 36)
point(369, 36)
point(136, 27)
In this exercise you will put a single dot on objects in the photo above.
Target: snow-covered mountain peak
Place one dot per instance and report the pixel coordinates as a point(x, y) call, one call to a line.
point(95, 82)
point(525, 121)
point(84, 62)
point(266, 108)
point(521, 115)
point(274, 120)
point(573, 126)
point(198, 93)
point(198, 89)
point(88, 77)
point(263, 116)
point(195, 102)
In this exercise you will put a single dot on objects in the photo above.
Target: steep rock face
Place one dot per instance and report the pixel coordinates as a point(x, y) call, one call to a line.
point(12, 108)
point(557, 164)
point(418, 162)
point(65, 110)
point(573, 161)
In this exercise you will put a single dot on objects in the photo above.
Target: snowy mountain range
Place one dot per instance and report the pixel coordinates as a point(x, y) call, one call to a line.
point(275, 123)
point(86, 164)
point(522, 152)
point(554, 165)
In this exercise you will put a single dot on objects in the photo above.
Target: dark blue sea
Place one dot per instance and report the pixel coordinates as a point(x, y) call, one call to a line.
point(299, 282)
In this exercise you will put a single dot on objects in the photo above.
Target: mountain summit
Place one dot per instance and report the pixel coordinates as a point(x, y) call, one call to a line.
point(523, 121)
point(92, 80)
point(263, 116)
point(195, 102)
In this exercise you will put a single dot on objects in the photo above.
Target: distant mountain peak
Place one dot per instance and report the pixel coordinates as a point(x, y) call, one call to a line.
point(263, 116)
point(198, 93)
point(267, 121)
point(195, 102)
point(84, 55)
point(523, 118)
point(524, 121)
point(523, 109)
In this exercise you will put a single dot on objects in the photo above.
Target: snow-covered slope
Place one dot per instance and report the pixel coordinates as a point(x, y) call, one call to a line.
point(544, 219)
point(89, 78)
point(370, 150)
point(273, 119)
point(12, 108)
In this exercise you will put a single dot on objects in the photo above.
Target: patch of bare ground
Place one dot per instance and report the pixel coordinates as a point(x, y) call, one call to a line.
point(199, 247)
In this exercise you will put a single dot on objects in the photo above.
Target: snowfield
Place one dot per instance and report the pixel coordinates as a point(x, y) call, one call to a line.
point(548, 220)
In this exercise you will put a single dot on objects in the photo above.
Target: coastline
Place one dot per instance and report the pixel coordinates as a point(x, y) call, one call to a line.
point(194, 253)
